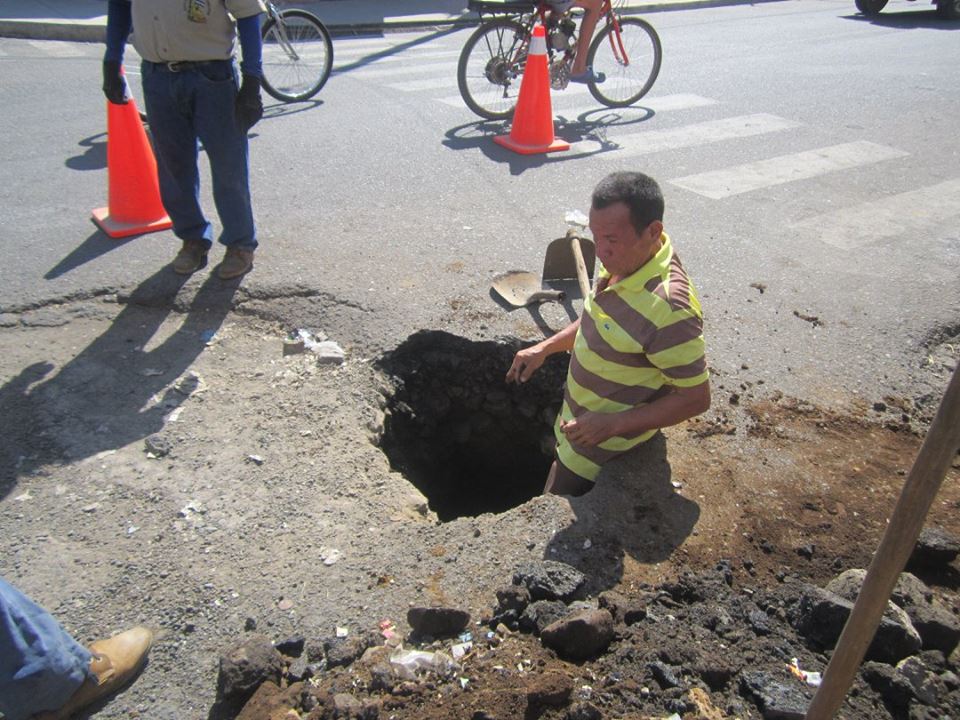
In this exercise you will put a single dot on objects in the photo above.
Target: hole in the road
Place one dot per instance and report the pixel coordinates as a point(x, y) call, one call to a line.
point(470, 442)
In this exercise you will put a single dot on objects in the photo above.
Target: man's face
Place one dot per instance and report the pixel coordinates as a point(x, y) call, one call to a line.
point(621, 249)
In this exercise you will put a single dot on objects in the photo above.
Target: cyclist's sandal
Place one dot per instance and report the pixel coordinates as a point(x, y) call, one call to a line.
point(588, 76)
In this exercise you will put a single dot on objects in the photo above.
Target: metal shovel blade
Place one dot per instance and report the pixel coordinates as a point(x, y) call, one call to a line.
point(560, 263)
point(520, 288)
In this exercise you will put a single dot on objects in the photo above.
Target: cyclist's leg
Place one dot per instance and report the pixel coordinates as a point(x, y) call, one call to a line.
point(587, 25)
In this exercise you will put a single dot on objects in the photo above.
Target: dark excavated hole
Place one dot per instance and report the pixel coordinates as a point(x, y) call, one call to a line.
point(469, 441)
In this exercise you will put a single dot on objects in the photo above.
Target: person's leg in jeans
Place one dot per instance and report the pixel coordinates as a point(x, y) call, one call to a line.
point(227, 150)
point(170, 110)
point(47, 675)
point(41, 666)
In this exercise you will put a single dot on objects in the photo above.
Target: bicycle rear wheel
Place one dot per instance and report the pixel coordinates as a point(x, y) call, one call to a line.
point(490, 68)
point(630, 60)
point(297, 56)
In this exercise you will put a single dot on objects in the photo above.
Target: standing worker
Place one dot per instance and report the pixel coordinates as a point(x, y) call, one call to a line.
point(637, 359)
point(191, 95)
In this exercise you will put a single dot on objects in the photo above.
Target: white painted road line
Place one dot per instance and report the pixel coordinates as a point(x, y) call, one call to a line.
point(405, 54)
point(442, 81)
point(651, 141)
point(663, 103)
point(910, 214)
point(555, 96)
point(375, 43)
point(786, 168)
point(369, 47)
point(439, 68)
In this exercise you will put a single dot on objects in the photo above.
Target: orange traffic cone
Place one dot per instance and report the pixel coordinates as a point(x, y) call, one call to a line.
point(134, 193)
point(532, 130)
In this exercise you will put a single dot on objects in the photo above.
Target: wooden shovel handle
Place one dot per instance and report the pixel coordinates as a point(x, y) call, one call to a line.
point(582, 276)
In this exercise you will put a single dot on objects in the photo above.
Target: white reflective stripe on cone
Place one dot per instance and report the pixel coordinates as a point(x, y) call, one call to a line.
point(538, 44)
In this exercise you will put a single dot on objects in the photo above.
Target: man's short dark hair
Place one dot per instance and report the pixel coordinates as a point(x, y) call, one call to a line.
point(637, 191)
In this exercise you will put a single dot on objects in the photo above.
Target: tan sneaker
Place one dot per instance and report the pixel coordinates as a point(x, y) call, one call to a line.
point(235, 263)
point(115, 662)
point(192, 257)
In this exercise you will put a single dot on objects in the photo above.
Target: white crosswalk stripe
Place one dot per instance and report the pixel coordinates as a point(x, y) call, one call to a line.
point(353, 48)
point(345, 59)
point(663, 103)
point(441, 81)
point(908, 214)
point(556, 98)
point(719, 184)
point(439, 68)
point(703, 133)
point(372, 44)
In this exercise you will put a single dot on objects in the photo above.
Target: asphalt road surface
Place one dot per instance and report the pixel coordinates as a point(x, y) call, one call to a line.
point(809, 158)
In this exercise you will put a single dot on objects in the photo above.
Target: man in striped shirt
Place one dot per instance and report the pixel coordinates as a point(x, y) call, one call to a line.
point(637, 354)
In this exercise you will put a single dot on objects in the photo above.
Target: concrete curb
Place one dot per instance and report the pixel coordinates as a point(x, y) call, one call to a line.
point(52, 30)
point(94, 31)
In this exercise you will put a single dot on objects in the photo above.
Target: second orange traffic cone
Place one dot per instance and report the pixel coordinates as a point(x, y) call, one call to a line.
point(133, 195)
point(532, 130)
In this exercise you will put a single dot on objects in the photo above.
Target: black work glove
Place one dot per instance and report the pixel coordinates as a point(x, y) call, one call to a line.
point(114, 86)
point(249, 107)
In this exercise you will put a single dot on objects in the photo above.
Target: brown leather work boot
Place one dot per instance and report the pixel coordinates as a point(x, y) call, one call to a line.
point(236, 262)
point(192, 257)
point(115, 662)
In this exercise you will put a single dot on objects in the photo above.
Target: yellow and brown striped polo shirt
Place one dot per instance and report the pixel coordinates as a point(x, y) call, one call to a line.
point(637, 338)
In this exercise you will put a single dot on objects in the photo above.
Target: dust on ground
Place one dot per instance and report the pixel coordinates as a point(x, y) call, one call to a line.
point(163, 463)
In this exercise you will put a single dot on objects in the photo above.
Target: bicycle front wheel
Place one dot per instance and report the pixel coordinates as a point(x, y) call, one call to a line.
point(491, 67)
point(629, 57)
point(297, 56)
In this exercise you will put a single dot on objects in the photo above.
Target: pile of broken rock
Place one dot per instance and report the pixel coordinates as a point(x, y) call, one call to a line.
point(699, 647)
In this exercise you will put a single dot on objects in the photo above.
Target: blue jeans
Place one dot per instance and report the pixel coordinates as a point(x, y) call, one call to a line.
point(184, 109)
point(41, 666)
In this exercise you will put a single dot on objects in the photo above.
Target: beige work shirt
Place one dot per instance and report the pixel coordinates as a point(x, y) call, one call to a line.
point(171, 30)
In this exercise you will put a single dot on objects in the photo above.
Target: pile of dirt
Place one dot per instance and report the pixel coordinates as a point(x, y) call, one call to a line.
point(699, 647)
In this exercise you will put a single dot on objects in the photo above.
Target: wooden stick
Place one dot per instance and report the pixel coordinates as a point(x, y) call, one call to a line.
point(938, 450)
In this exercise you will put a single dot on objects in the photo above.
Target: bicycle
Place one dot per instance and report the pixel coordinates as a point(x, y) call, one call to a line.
point(626, 50)
point(297, 54)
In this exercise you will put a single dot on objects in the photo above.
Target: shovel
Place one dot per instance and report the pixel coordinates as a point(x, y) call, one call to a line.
point(569, 257)
point(520, 288)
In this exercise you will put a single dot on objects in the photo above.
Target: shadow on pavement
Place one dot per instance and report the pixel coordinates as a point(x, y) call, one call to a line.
point(588, 129)
point(94, 157)
point(97, 243)
point(633, 510)
point(908, 20)
point(282, 109)
point(534, 310)
point(120, 388)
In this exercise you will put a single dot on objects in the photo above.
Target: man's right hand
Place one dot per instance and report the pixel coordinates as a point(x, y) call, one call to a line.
point(114, 86)
point(525, 364)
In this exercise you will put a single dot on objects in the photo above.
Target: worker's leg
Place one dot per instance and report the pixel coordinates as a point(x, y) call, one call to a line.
point(561, 481)
point(41, 666)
